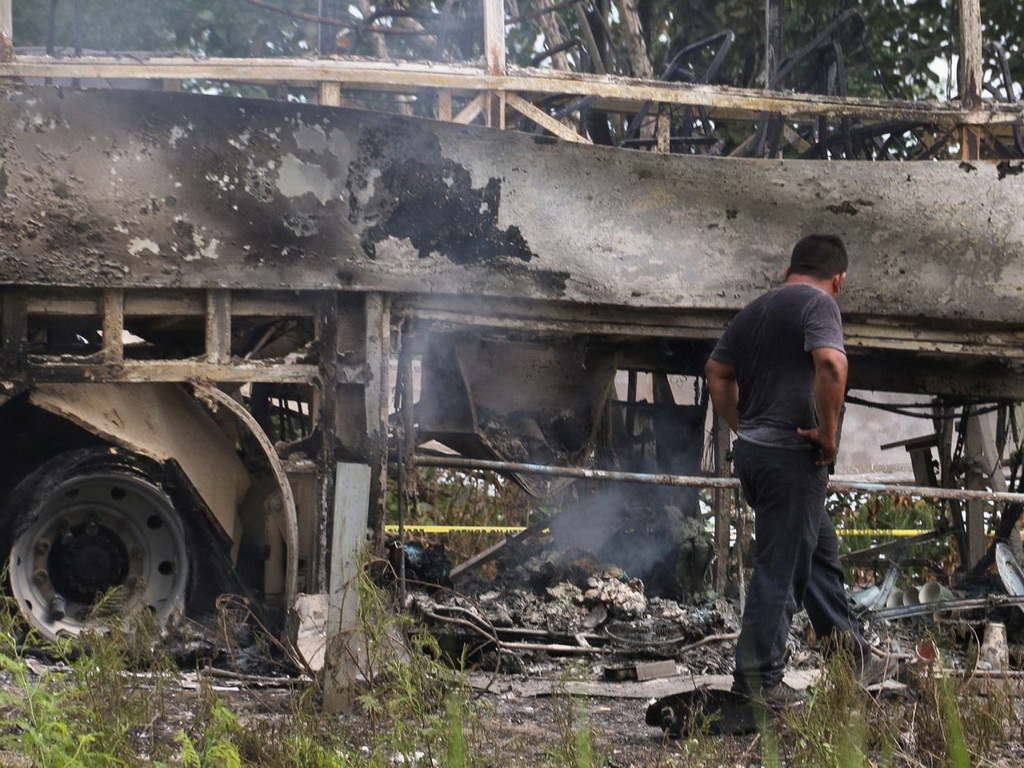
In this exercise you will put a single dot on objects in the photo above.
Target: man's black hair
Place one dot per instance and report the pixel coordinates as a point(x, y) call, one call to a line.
point(819, 256)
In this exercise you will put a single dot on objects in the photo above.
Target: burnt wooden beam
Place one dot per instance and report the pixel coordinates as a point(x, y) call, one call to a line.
point(113, 325)
point(38, 370)
point(13, 328)
point(167, 302)
point(969, 73)
point(218, 327)
point(494, 36)
point(612, 93)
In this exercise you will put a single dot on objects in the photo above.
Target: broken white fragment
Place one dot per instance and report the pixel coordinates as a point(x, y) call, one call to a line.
point(306, 627)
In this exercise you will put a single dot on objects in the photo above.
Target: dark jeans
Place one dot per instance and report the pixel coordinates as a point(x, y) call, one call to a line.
point(796, 561)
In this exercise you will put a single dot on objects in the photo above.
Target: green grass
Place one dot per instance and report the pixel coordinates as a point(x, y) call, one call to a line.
point(115, 700)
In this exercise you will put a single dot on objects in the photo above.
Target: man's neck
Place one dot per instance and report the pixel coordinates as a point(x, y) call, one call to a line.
point(821, 285)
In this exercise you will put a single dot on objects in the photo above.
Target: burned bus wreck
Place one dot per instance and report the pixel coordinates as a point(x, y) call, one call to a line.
point(203, 301)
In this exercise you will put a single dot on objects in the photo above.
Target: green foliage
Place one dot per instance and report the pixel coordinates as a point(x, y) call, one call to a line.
point(574, 747)
point(86, 712)
point(938, 720)
point(199, 27)
point(418, 706)
point(218, 730)
point(954, 727)
point(861, 511)
point(890, 48)
point(37, 724)
point(832, 729)
point(447, 497)
point(889, 56)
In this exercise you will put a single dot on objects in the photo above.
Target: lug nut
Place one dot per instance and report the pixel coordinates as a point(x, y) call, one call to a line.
point(58, 608)
point(40, 577)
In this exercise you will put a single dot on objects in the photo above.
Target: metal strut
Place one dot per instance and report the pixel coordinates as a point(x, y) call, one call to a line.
point(703, 481)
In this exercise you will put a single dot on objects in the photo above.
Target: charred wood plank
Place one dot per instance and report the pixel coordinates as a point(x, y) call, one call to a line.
point(610, 92)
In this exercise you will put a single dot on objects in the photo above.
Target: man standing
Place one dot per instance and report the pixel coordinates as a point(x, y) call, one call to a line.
point(778, 379)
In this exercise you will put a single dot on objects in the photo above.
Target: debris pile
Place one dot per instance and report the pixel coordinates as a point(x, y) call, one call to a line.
point(547, 600)
point(611, 595)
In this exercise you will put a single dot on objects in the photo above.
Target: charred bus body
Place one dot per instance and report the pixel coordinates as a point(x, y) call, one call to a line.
point(201, 297)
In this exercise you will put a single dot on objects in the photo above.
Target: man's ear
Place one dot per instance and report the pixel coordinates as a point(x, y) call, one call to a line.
point(837, 282)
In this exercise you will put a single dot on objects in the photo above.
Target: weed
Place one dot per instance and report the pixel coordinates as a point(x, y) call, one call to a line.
point(959, 722)
point(214, 745)
point(37, 724)
point(701, 747)
point(830, 729)
point(419, 707)
point(574, 747)
point(86, 710)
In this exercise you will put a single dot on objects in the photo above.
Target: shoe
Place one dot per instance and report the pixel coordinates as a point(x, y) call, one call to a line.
point(876, 671)
point(777, 697)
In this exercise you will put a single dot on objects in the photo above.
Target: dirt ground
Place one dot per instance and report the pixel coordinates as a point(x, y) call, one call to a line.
point(524, 721)
point(535, 716)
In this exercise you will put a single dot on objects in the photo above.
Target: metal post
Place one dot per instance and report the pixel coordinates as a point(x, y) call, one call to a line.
point(377, 311)
point(329, 341)
point(721, 503)
point(704, 481)
point(406, 459)
point(6, 30)
point(982, 471)
point(773, 13)
point(360, 414)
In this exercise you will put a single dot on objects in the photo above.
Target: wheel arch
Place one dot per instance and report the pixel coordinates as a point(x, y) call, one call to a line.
point(164, 423)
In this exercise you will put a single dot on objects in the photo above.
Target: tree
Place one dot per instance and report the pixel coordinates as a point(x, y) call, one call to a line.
point(868, 48)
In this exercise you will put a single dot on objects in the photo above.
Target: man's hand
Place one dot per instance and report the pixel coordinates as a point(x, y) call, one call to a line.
point(827, 447)
point(830, 369)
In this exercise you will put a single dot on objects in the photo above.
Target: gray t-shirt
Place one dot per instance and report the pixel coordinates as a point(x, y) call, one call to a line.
point(769, 343)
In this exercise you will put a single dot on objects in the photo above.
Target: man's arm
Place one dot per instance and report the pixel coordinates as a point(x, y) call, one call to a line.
point(725, 393)
point(830, 369)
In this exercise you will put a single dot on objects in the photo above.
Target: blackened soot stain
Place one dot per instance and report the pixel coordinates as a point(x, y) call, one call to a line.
point(1006, 168)
point(437, 209)
point(844, 207)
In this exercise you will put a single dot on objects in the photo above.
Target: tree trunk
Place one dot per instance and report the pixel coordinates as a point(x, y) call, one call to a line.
point(639, 61)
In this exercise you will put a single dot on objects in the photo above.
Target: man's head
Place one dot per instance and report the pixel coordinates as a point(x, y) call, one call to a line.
point(821, 259)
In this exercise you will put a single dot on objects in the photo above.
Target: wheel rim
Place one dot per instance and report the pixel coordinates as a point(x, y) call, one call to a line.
point(103, 544)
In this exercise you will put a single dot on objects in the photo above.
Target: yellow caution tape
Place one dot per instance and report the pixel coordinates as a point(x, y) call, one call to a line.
point(457, 528)
point(881, 531)
point(519, 529)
